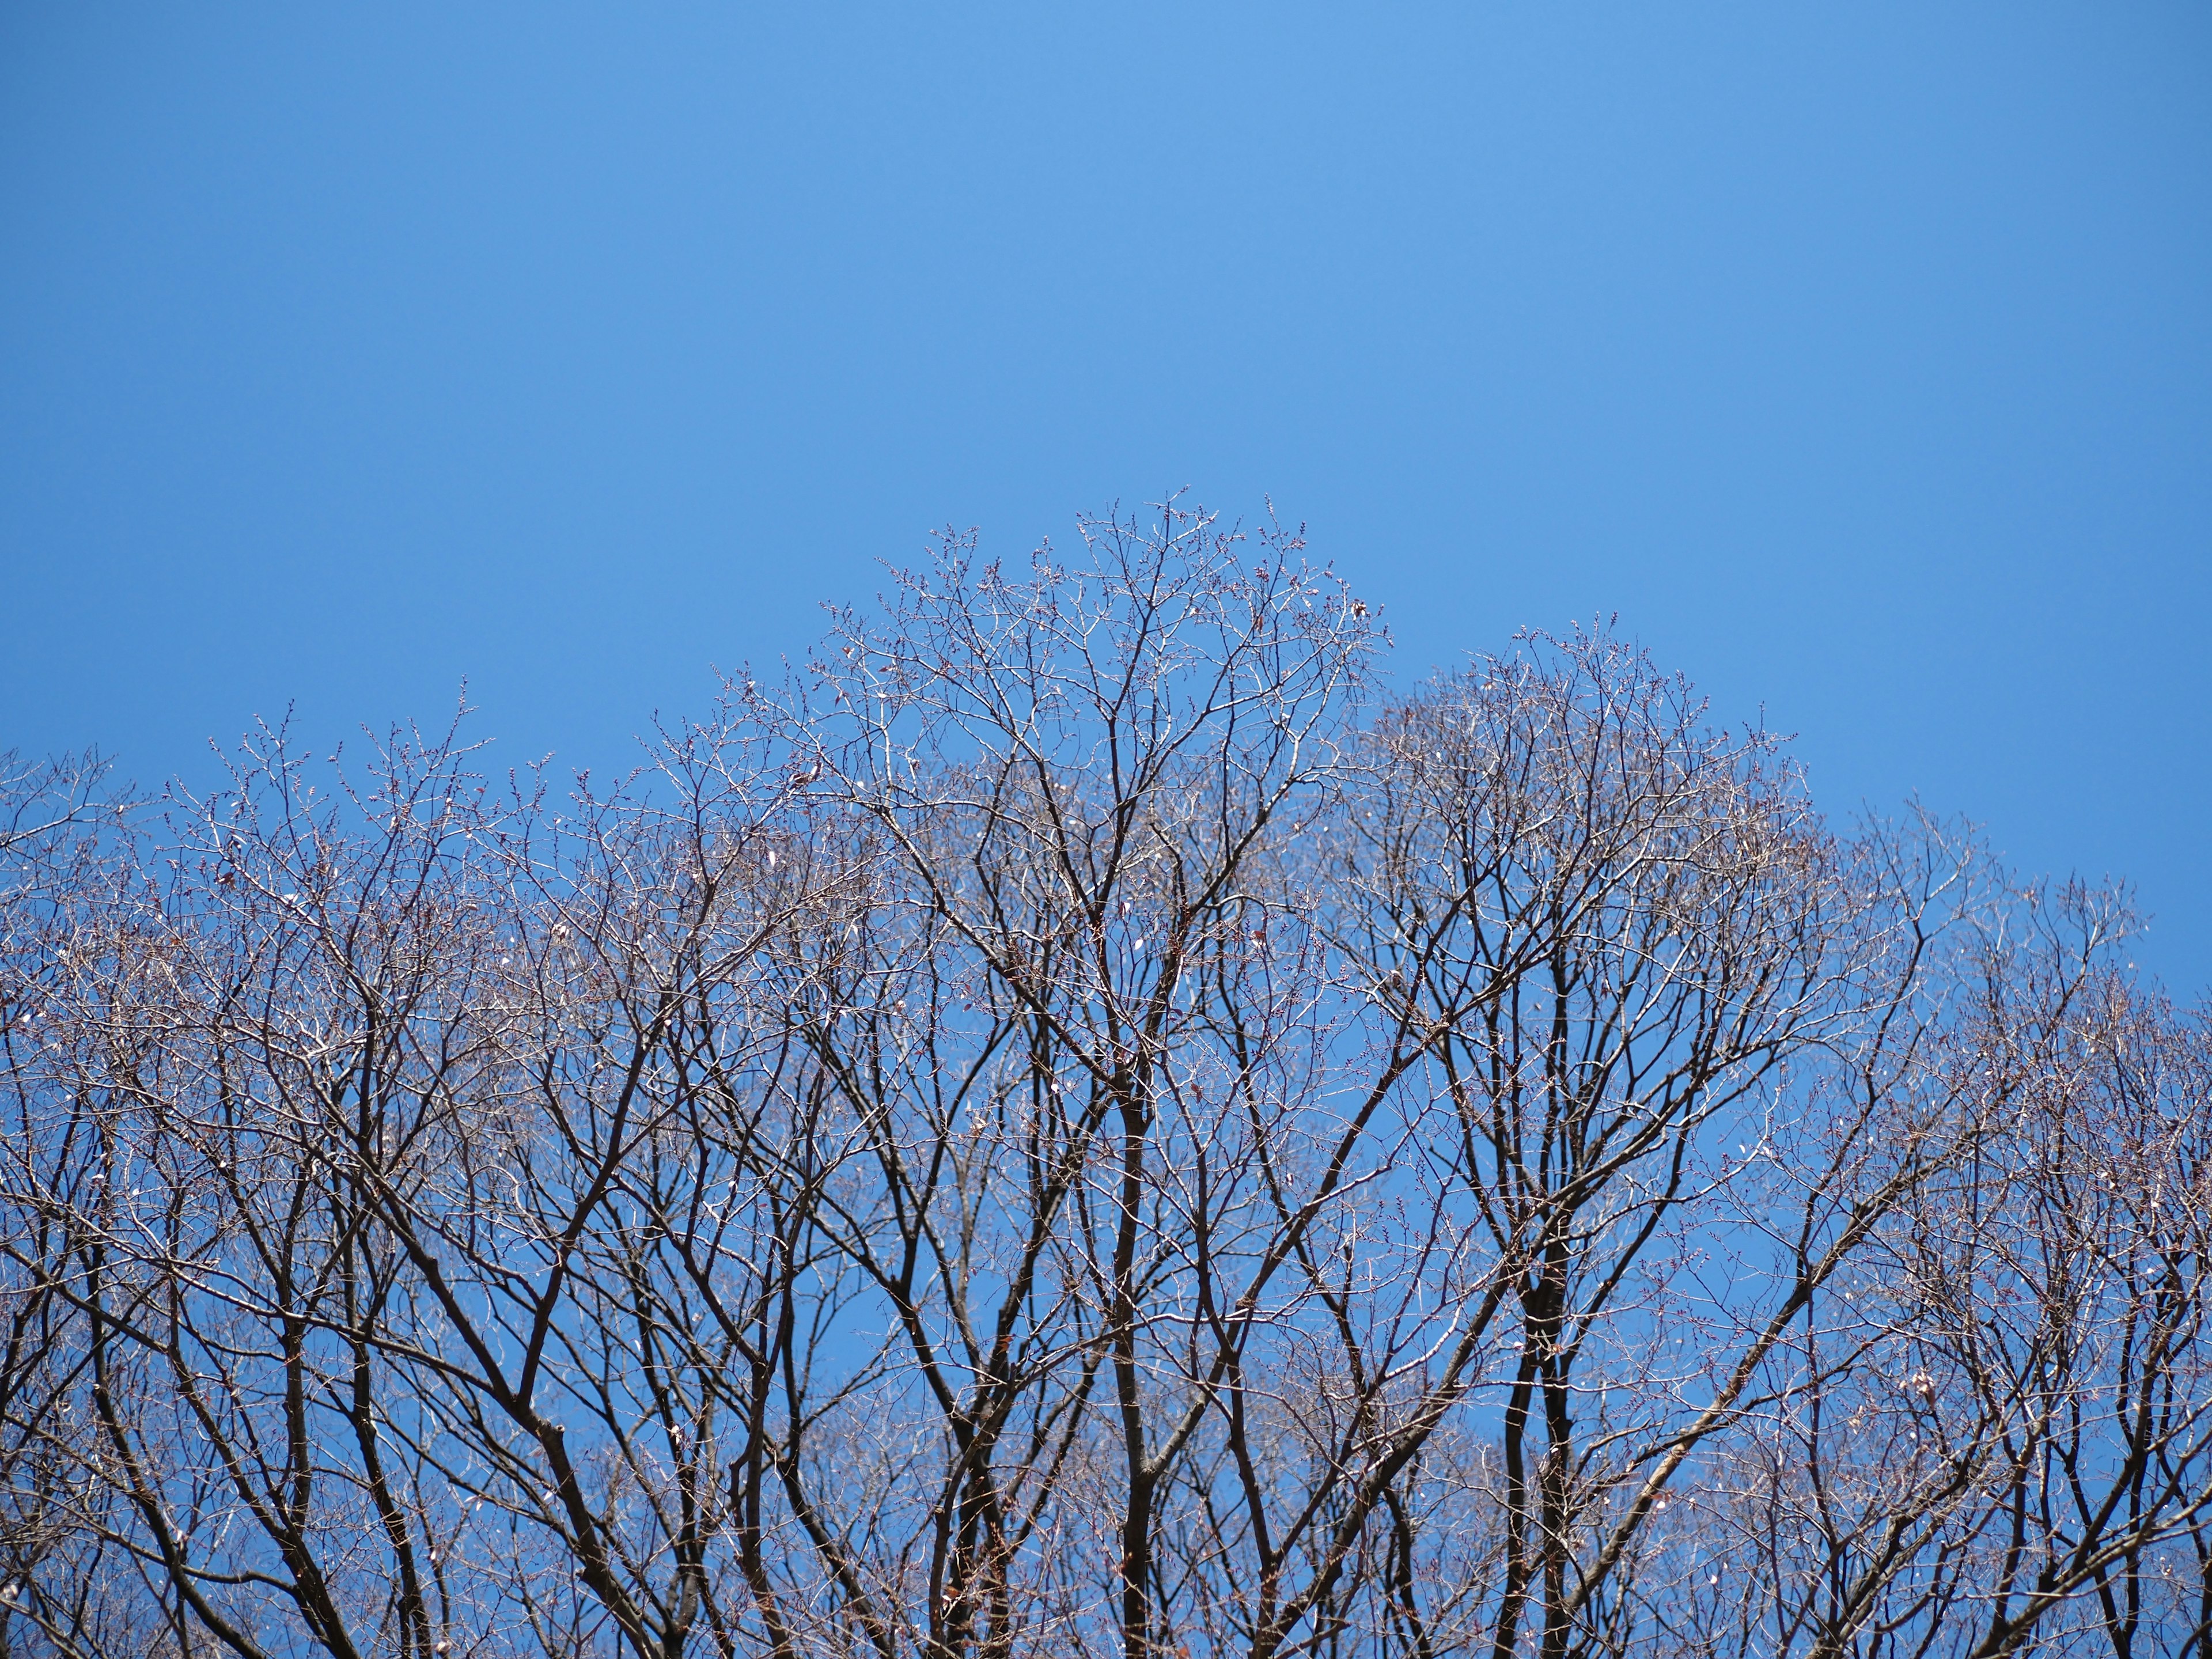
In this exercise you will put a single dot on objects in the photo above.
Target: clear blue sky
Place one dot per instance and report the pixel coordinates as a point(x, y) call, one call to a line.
point(1859, 356)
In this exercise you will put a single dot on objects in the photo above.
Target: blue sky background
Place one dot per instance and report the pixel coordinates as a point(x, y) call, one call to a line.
point(1860, 357)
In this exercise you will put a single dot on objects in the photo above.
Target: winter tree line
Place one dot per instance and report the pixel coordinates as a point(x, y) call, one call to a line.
point(1086, 1119)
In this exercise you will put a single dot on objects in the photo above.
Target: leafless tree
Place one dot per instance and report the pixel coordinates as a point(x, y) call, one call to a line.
point(1081, 1120)
point(1997, 1439)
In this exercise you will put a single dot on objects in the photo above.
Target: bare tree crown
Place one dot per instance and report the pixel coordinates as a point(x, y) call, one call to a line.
point(1082, 1120)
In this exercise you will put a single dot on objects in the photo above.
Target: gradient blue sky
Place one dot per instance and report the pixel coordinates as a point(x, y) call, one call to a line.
point(1859, 356)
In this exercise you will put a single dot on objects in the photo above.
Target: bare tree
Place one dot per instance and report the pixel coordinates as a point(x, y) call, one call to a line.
point(1997, 1439)
point(1080, 1122)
